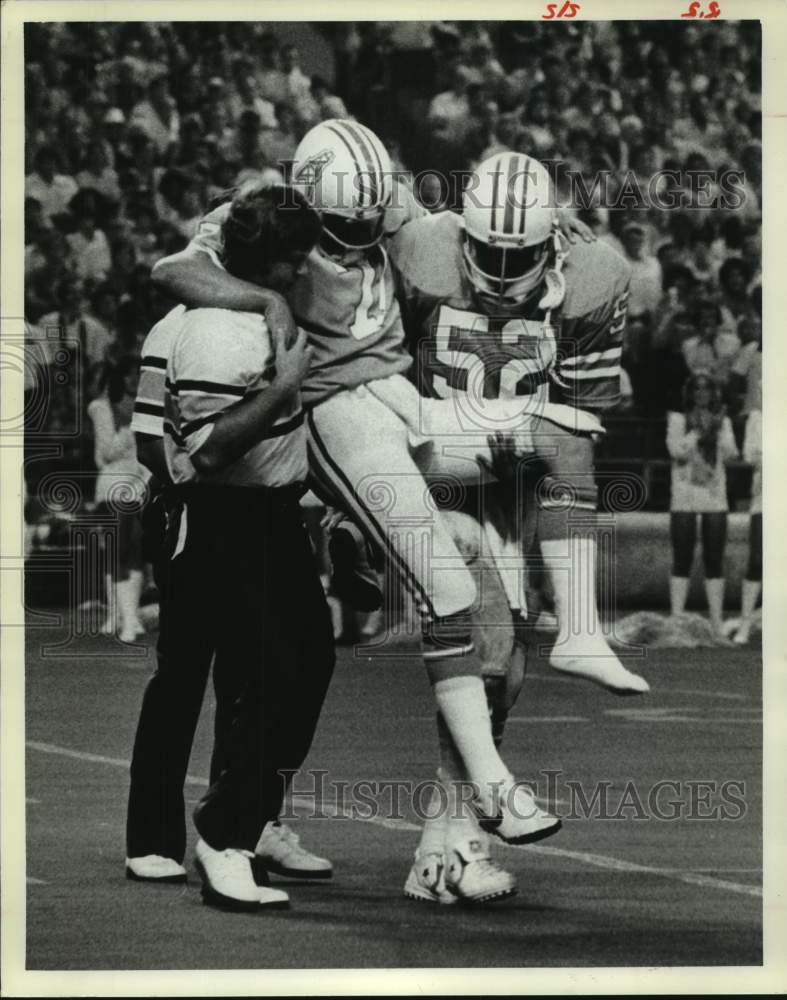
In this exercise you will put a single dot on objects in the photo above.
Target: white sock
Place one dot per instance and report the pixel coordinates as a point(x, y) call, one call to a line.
point(571, 563)
point(433, 833)
point(462, 702)
point(461, 823)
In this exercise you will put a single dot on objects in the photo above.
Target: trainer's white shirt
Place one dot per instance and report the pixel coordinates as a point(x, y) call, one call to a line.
point(216, 359)
point(148, 415)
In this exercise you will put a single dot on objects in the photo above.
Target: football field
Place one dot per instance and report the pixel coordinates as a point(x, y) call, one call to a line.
point(642, 873)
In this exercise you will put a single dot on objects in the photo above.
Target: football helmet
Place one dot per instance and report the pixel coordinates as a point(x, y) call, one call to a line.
point(511, 229)
point(345, 172)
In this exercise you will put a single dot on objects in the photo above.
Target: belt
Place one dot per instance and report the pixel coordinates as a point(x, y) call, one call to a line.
point(270, 497)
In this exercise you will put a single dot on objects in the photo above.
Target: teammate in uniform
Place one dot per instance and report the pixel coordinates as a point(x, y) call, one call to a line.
point(497, 308)
point(362, 450)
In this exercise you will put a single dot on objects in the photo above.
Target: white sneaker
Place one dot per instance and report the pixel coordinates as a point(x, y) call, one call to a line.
point(513, 815)
point(227, 880)
point(154, 868)
point(596, 662)
point(279, 850)
point(426, 880)
point(474, 877)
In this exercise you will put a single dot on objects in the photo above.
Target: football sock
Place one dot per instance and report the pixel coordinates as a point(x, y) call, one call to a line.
point(462, 704)
point(572, 570)
point(461, 823)
point(435, 815)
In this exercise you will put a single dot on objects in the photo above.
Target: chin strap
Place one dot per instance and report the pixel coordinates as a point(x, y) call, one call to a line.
point(554, 281)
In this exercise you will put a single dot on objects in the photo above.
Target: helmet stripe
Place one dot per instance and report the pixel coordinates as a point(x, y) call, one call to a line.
point(508, 217)
point(496, 175)
point(524, 199)
point(372, 157)
point(354, 154)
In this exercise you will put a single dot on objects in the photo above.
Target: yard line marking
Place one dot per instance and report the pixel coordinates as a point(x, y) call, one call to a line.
point(518, 718)
point(546, 718)
point(96, 758)
point(615, 864)
point(595, 860)
point(730, 695)
point(35, 881)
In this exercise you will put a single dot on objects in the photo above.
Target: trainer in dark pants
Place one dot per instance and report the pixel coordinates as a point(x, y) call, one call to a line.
point(241, 580)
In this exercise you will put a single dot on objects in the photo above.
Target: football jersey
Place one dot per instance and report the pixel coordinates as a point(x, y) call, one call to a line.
point(349, 311)
point(460, 349)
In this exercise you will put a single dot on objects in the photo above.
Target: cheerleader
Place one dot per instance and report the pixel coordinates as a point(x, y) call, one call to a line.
point(700, 442)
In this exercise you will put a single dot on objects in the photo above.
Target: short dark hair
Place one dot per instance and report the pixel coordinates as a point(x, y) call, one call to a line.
point(267, 223)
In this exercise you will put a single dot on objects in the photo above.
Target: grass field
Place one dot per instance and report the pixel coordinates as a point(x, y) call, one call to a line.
point(602, 892)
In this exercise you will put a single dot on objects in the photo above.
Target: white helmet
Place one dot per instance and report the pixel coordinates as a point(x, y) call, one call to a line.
point(345, 172)
point(510, 222)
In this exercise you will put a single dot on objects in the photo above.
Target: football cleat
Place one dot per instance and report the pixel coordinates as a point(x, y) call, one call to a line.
point(279, 851)
point(514, 816)
point(426, 880)
point(472, 876)
point(353, 580)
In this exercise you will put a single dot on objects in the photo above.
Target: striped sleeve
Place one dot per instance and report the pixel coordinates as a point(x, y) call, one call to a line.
point(217, 357)
point(591, 344)
point(148, 415)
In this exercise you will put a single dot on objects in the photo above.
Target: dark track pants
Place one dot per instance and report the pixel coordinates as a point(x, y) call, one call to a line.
point(241, 583)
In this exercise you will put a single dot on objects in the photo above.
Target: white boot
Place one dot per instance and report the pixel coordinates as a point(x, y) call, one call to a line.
point(136, 579)
point(127, 606)
point(110, 625)
point(750, 593)
point(678, 593)
point(714, 590)
point(580, 648)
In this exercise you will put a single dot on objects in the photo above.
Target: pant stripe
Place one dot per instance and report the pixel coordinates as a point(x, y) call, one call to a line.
point(329, 473)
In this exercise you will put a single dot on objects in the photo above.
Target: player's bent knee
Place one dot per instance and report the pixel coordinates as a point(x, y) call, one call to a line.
point(448, 649)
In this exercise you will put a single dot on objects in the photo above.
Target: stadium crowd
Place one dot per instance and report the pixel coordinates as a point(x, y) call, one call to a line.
point(133, 128)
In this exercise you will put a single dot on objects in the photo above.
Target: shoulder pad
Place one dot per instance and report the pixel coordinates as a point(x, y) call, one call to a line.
point(428, 254)
point(595, 274)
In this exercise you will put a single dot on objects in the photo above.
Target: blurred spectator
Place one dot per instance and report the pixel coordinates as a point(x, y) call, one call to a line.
point(89, 249)
point(247, 98)
point(328, 104)
point(271, 80)
point(710, 349)
point(120, 491)
point(448, 112)
point(299, 85)
point(700, 442)
point(281, 143)
point(645, 289)
point(752, 582)
point(734, 276)
point(746, 370)
point(97, 172)
point(157, 116)
point(51, 189)
point(69, 323)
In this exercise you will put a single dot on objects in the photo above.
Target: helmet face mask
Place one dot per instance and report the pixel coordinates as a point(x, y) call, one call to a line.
point(344, 235)
point(509, 221)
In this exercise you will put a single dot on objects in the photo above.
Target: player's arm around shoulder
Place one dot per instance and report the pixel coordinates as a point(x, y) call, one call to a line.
point(196, 277)
point(242, 405)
